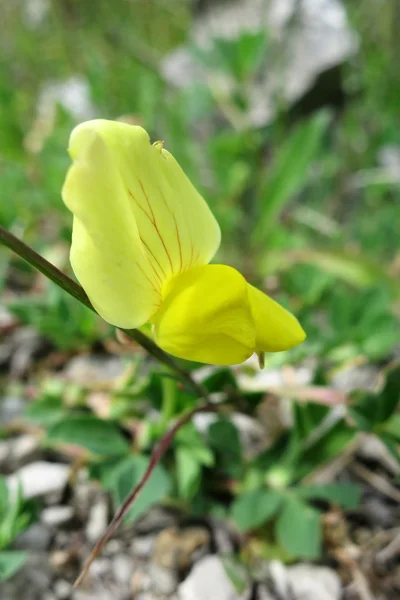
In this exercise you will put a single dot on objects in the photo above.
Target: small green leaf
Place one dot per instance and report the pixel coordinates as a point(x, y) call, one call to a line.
point(322, 450)
point(289, 171)
point(389, 398)
point(251, 509)
point(96, 435)
point(127, 473)
point(45, 411)
point(10, 562)
point(364, 410)
point(298, 529)
point(224, 441)
point(3, 497)
point(346, 495)
point(237, 572)
point(221, 379)
point(188, 472)
point(392, 428)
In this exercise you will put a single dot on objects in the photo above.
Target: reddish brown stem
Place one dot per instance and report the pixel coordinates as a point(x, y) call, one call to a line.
point(158, 452)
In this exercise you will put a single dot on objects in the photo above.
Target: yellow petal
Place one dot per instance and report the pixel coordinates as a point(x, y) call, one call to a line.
point(176, 226)
point(106, 253)
point(138, 220)
point(206, 317)
point(276, 328)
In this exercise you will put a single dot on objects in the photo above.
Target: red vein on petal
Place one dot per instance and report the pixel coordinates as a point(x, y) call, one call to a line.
point(171, 212)
point(152, 283)
point(179, 242)
point(152, 254)
point(153, 221)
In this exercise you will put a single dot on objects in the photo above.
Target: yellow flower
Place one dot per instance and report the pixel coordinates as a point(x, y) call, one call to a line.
point(141, 243)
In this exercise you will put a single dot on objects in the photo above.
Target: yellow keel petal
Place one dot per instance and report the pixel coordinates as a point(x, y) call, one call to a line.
point(206, 317)
point(276, 328)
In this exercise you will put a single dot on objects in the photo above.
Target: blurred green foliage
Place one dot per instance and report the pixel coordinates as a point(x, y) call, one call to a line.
point(15, 515)
point(307, 211)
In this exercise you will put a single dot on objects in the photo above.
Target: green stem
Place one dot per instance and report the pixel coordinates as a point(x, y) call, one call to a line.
point(168, 401)
point(74, 289)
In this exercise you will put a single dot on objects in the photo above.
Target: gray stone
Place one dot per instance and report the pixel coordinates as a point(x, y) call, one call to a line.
point(208, 580)
point(11, 408)
point(364, 377)
point(163, 581)
point(224, 538)
point(54, 516)
point(36, 537)
point(372, 448)
point(122, 568)
point(26, 343)
point(98, 520)
point(39, 479)
point(101, 369)
point(314, 583)
point(100, 567)
point(264, 594)
point(142, 546)
point(307, 38)
point(62, 589)
point(24, 449)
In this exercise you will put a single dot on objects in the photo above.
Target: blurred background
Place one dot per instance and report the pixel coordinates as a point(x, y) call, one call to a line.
point(285, 114)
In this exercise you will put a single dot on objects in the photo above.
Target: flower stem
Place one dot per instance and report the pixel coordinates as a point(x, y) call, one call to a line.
point(168, 401)
point(37, 261)
point(158, 452)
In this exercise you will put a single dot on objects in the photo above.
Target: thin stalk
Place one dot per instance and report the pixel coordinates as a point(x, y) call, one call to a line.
point(158, 452)
point(37, 261)
point(168, 401)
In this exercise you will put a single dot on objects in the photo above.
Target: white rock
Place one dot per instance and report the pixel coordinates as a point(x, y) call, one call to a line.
point(122, 568)
point(142, 546)
point(39, 479)
point(208, 580)
point(62, 589)
point(98, 520)
point(54, 516)
point(314, 583)
point(308, 37)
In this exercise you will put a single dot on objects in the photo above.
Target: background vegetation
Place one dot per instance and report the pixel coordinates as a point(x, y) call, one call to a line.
point(309, 206)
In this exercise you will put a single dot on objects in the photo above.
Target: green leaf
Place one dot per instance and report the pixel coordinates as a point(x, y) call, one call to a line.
point(189, 438)
point(392, 428)
point(251, 509)
point(220, 380)
point(224, 440)
point(289, 171)
point(237, 573)
point(364, 410)
point(356, 269)
point(3, 497)
point(389, 398)
point(13, 521)
point(328, 447)
point(346, 495)
point(308, 417)
point(10, 562)
point(46, 411)
point(96, 435)
point(188, 472)
point(127, 473)
point(298, 529)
